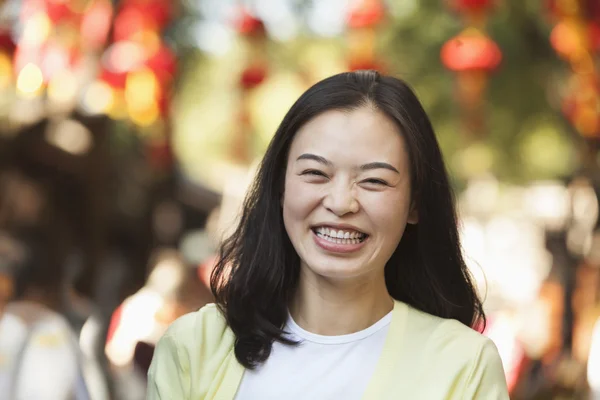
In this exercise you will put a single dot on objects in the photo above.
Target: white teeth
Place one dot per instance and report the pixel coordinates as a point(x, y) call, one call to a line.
point(339, 241)
point(340, 236)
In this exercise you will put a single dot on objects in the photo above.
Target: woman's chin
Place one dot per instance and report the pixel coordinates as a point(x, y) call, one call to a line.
point(341, 272)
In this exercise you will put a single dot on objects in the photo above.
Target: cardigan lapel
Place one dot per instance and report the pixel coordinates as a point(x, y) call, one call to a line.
point(228, 380)
point(392, 349)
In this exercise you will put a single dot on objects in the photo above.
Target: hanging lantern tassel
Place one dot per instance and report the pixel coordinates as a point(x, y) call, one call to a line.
point(473, 56)
point(473, 11)
point(251, 77)
point(362, 23)
point(242, 137)
point(471, 90)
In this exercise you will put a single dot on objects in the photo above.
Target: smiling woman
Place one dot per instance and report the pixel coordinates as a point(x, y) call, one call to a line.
point(345, 277)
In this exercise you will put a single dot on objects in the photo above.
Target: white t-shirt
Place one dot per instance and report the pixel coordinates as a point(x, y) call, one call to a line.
point(321, 367)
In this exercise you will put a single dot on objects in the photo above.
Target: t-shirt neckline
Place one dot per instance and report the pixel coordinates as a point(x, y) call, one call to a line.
point(303, 334)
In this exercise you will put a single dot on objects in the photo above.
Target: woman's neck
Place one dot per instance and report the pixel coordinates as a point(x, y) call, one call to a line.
point(326, 307)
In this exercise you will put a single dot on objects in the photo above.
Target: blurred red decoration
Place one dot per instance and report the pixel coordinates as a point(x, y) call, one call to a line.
point(589, 9)
point(115, 321)
point(159, 12)
point(128, 22)
point(59, 10)
point(592, 10)
point(565, 40)
point(7, 44)
point(253, 76)
point(164, 103)
point(367, 13)
point(135, 17)
point(163, 63)
point(471, 5)
point(159, 154)
point(95, 24)
point(557, 10)
point(552, 8)
point(471, 51)
point(248, 25)
point(594, 32)
point(365, 64)
point(114, 79)
point(582, 106)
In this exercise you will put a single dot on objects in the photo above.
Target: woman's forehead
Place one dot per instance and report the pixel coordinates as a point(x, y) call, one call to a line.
point(361, 133)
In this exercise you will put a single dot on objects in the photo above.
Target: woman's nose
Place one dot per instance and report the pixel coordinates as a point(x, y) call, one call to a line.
point(341, 199)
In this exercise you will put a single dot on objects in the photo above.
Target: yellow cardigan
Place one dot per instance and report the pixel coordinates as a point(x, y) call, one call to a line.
point(424, 357)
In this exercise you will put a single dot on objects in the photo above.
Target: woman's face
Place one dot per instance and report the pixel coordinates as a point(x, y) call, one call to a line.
point(347, 196)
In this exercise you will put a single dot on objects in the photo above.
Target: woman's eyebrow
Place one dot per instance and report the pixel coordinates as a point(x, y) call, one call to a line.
point(364, 167)
point(378, 165)
point(319, 159)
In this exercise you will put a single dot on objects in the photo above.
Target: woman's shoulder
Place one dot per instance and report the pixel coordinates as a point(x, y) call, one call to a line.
point(207, 326)
point(188, 355)
point(461, 359)
point(443, 335)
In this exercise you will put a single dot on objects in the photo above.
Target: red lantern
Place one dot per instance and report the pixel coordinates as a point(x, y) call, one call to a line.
point(471, 51)
point(367, 13)
point(248, 25)
point(471, 6)
point(253, 76)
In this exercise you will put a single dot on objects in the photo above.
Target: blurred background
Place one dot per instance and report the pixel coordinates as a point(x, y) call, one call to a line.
point(129, 130)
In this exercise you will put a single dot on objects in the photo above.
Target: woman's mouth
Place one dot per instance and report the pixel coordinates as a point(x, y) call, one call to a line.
point(339, 239)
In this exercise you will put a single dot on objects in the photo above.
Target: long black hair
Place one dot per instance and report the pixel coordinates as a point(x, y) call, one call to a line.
point(258, 269)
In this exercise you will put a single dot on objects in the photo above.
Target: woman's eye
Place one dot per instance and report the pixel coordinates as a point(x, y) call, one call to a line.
point(374, 181)
point(314, 172)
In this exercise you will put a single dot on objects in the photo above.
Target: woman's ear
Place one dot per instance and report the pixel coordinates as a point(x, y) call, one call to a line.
point(413, 215)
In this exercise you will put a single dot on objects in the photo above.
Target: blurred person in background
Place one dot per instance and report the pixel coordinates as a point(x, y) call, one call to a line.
point(173, 288)
point(34, 337)
point(344, 278)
